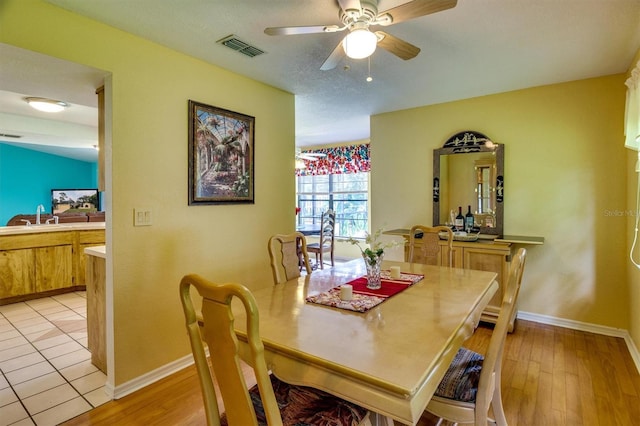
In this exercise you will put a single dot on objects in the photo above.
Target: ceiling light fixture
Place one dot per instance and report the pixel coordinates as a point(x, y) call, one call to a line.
point(46, 105)
point(360, 43)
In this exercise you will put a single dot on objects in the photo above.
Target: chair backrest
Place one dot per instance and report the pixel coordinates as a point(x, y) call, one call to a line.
point(327, 228)
point(286, 252)
point(492, 365)
point(427, 249)
point(218, 332)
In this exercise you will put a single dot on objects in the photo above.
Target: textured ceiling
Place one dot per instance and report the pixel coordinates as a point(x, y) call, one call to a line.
point(478, 48)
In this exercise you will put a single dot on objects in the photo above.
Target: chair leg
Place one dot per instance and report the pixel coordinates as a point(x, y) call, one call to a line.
point(321, 260)
point(498, 409)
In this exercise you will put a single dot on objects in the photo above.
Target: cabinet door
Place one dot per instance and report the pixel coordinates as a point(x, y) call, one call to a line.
point(53, 267)
point(85, 239)
point(17, 270)
point(81, 262)
point(96, 311)
point(456, 257)
point(488, 260)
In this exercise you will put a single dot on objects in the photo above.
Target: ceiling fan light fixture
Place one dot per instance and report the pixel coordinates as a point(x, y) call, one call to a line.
point(360, 43)
point(46, 105)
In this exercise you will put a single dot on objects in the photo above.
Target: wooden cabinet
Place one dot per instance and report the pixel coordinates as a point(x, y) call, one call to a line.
point(96, 307)
point(492, 257)
point(85, 239)
point(484, 256)
point(35, 264)
point(53, 267)
point(17, 269)
point(101, 137)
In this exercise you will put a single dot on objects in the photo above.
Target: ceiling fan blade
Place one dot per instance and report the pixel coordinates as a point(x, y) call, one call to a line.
point(398, 47)
point(417, 8)
point(313, 29)
point(334, 58)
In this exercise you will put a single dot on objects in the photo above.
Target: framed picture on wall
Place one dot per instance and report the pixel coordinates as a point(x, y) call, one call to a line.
point(220, 155)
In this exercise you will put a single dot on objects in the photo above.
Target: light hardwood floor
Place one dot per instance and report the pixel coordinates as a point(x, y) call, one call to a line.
point(551, 376)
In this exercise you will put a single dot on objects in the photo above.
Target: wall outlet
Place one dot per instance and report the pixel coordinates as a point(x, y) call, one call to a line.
point(142, 217)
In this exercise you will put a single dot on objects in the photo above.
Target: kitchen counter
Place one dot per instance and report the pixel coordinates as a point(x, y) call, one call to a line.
point(34, 229)
point(97, 251)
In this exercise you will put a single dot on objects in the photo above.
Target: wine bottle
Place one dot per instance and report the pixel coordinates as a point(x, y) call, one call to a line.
point(459, 223)
point(468, 220)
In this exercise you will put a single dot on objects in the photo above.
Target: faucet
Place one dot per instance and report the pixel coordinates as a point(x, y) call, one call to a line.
point(39, 209)
point(54, 218)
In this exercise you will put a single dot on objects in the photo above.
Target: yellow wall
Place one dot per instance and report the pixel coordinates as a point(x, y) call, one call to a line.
point(565, 180)
point(151, 88)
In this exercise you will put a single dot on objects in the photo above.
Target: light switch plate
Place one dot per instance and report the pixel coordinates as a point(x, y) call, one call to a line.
point(142, 217)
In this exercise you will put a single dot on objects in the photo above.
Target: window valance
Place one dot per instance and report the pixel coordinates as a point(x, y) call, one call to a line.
point(338, 160)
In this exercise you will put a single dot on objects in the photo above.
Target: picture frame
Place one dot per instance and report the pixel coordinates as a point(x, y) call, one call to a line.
point(221, 160)
point(74, 200)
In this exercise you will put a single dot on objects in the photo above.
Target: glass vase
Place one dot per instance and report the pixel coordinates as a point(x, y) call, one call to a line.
point(373, 264)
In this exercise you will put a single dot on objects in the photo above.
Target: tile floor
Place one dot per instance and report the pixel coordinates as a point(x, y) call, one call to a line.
point(46, 375)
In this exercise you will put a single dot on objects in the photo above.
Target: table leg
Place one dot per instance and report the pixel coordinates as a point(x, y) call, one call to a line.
point(378, 419)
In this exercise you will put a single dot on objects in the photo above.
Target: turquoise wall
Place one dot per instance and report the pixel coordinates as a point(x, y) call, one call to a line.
point(27, 178)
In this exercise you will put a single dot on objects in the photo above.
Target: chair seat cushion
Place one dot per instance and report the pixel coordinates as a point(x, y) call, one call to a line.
point(302, 406)
point(317, 246)
point(460, 382)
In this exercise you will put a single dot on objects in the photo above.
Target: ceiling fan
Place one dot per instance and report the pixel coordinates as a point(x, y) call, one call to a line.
point(309, 156)
point(357, 16)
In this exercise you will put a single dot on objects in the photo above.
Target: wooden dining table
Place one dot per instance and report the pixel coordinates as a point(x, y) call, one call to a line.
point(309, 229)
point(389, 359)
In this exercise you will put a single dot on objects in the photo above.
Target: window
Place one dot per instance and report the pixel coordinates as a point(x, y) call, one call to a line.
point(338, 181)
point(346, 194)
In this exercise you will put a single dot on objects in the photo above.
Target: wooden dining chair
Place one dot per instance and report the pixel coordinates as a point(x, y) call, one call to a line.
point(325, 239)
point(299, 405)
point(288, 253)
point(426, 247)
point(472, 382)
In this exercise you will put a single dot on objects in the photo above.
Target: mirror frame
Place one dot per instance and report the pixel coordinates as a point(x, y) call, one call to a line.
point(471, 142)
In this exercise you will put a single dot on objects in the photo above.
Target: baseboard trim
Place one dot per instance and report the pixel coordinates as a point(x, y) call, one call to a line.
point(583, 326)
point(152, 376)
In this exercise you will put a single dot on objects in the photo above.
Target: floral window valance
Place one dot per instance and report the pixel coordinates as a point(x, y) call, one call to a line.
point(338, 160)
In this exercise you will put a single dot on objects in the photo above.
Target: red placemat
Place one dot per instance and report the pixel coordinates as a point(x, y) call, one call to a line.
point(389, 286)
point(364, 298)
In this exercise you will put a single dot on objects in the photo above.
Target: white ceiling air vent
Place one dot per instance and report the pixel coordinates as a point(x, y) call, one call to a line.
point(233, 42)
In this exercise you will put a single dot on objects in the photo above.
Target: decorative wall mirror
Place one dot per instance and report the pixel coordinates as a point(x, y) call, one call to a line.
point(469, 171)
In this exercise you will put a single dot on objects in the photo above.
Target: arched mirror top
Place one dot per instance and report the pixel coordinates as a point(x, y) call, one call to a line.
point(468, 173)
